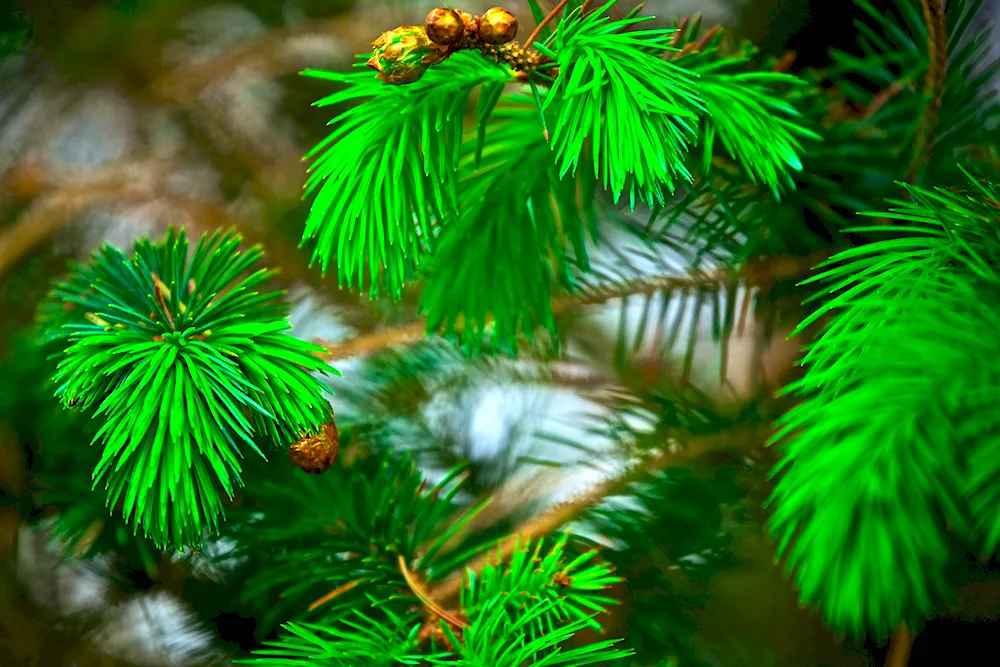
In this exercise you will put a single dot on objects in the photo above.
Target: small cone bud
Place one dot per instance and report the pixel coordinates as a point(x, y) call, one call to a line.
point(403, 55)
point(444, 26)
point(497, 26)
point(316, 453)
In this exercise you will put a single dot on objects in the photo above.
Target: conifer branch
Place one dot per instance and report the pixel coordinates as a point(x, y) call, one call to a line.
point(544, 22)
point(937, 53)
point(555, 517)
point(759, 273)
point(132, 182)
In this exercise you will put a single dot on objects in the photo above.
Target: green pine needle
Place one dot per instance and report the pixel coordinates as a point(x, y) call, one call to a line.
point(896, 431)
point(514, 207)
point(638, 112)
point(383, 508)
point(576, 584)
point(357, 641)
point(185, 363)
point(385, 178)
point(494, 639)
point(755, 125)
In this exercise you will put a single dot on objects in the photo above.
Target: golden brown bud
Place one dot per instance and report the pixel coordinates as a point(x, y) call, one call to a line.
point(497, 26)
point(444, 26)
point(316, 453)
point(403, 55)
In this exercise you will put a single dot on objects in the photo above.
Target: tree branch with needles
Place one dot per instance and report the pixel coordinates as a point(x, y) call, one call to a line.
point(761, 272)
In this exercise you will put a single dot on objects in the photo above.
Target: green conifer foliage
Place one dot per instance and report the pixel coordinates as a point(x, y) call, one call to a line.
point(185, 363)
point(620, 113)
point(887, 448)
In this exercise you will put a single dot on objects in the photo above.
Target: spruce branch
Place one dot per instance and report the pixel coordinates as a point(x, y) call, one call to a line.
point(182, 360)
point(913, 318)
point(759, 273)
point(397, 152)
point(936, 21)
point(554, 518)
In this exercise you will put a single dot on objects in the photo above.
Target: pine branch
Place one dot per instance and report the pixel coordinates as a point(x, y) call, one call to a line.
point(937, 68)
point(131, 182)
point(912, 317)
point(552, 519)
point(179, 353)
point(762, 272)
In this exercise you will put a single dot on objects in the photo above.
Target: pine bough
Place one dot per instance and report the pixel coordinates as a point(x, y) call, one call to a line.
point(890, 452)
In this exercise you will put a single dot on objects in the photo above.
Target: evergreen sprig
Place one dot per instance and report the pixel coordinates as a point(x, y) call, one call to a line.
point(361, 640)
point(494, 639)
point(515, 207)
point(892, 449)
point(638, 112)
point(530, 577)
point(460, 212)
point(184, 362)
point(396, 153)
point(353, 522)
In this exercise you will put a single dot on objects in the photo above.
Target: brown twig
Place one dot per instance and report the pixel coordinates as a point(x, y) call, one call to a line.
point(679, 34)
point(785, 62)
point(336, 592)
point(544, 22)
point(132, 182)
point(937, 67)
point(367, 344)
point(900, 647)
point(886, 96)
point(427, 599)
point(699, 45)
point(549, 521)
point(768, 270)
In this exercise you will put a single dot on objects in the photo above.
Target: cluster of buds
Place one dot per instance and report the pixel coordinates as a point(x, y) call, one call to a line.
point(404, 54)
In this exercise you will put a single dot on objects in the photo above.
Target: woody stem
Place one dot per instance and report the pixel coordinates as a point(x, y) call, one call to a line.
point(545, 21)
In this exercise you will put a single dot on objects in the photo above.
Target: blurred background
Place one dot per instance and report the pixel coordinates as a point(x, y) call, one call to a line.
point(118, 118)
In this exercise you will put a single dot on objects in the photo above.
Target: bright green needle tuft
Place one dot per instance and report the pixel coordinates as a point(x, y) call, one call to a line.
point(186, 364)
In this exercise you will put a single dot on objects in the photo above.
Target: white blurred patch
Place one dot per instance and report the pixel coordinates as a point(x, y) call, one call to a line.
point(71, 587)
point(100, 129)
point(155, 630)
